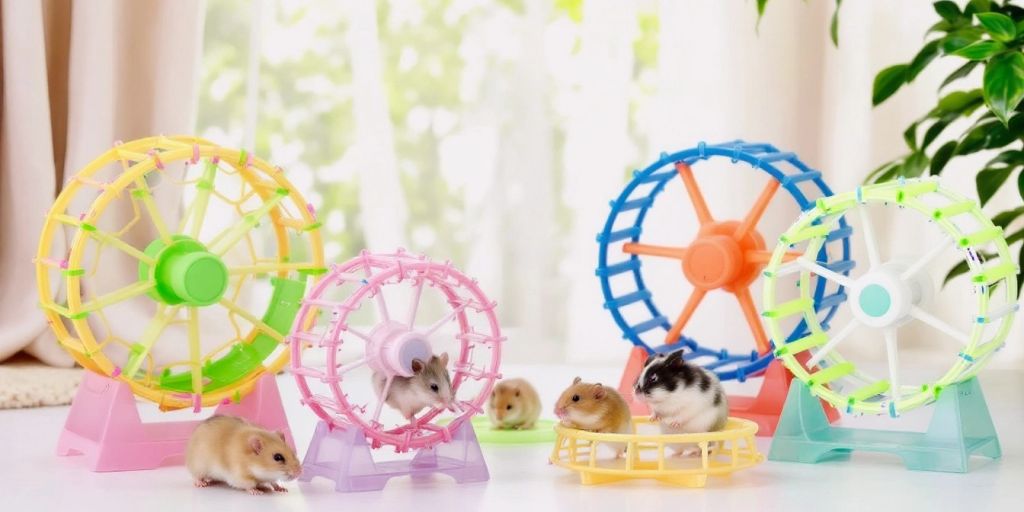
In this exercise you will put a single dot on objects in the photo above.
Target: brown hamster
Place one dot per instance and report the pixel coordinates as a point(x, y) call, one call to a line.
point(514, 404)
point(593, 407)
point(231, 450)
point(429, 386)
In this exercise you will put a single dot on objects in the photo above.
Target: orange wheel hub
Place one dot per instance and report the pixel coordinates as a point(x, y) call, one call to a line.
point(716, 259)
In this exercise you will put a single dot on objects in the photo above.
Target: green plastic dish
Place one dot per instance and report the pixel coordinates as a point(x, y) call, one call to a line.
point(542, 432)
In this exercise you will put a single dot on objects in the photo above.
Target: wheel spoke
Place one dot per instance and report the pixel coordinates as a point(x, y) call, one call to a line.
point(381, 305)
point(655, 250)
point(684, 316)
point(892, 352)
point(869, 237)
point(445, 319)
point(345, 368)
point(256, 322)
point(150, 334)
point(106, 238)
point(226, 239)
point(380, 399)
point(764, 256)
point(756, 211)
point(269, 268)
point(204, 188)
point(940, 325)
point(918, 265)
point(753, 319)
point(835, 277)
point(357, 333)
point(836, 339)
point(195, 351)
point(119, 295)
point(414, 305)
point(146, 196)
point(696, 197)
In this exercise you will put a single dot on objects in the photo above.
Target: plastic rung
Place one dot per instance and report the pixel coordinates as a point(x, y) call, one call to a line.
point(658, 176)
point(775, 157)
point(998, 313)
point(618, 268)
point(788, 308)
point(797, 178)
point(628, 299)
point(841, 266)
point(991, 275)
point(830, 301)
point(307, 372)
point(795, 347)
point(833, 203)
point(953, 210)
point(643, 202)
point(981, 237)
point(839, 234)
point(621, 234)
point(650, 324)
point(805, 234)
point(869, 391)
point(915, 188)
point(784, 270)
point(830, 374)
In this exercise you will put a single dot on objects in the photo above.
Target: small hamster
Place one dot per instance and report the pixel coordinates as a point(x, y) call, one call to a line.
point(231, 450)
point(514, 405)
point(595, 408)
point(683, 397)
point(429, 386)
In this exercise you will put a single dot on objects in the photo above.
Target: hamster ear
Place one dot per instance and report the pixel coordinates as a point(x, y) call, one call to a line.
point(255, 444)
point(599, 391)
point(577, 380)
point(417, 365)
point(517, 392)
point(444, 359)
point(281, 435)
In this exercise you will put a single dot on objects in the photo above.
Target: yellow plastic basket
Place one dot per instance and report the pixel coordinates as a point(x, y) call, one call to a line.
point(649, 455)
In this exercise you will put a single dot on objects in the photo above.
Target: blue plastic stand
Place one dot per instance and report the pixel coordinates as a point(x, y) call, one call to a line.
point(960, 427)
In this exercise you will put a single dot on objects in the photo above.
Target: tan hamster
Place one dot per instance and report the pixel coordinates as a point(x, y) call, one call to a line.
point(430, 386)
point(595, 408)
point(231, 450)
point(513, 405)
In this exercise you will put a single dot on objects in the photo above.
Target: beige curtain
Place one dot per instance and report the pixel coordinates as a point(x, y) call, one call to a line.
point(77, 76)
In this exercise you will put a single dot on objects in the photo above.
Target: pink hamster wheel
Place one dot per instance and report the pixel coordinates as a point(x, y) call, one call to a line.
point(333, 341)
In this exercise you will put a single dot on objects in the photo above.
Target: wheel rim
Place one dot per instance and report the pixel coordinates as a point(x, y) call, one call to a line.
point(726, 255)
point(891, 293)
point(184, 272)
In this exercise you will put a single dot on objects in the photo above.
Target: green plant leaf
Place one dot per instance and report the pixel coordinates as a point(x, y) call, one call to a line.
point(1013, 157)
point(887, 82)
point(980, 50)
point(881, 170)
point(924, 57)
point(989, 180)
point(957, 101)
point(976, 138)
point(960, 38)
point(934, 131)
point(760, 13)
point(1015, 236)
point(942, 156)
point(959, 269)
point(948, 10)
point(1005, 218)
point(1020, 267)
point(1020, 186)
point(960, 72)
point(999, 26)
point(833, 27)
point(914, 165)
point(941, 26)
point(1003, 84)
point(978, 6)
point(910, 136)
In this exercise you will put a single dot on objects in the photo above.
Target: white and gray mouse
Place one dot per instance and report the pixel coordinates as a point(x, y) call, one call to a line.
point(683, 397)
point(429, 386)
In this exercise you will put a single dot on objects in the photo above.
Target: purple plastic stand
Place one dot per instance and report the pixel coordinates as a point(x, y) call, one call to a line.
point(345, 456)
point(104, 425)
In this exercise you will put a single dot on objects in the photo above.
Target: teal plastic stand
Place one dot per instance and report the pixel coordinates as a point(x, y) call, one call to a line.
point(960, 427)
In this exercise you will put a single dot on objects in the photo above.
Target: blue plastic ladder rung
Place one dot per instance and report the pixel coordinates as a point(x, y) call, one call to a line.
point(621, 234)
point(839, 234)
point(618, 268)
point(628, 299)
point(746, 147)
point(658, 176)
point(841, 266)
point(829, 301)
point(653, 323)
point(633, 204)
point(775, 157)
point(801, 177)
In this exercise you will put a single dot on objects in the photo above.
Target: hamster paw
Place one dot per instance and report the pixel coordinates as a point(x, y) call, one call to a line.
point(655, 418)
point(255, 491)
point(201, 482)
point(689, 452)
point(278, 488)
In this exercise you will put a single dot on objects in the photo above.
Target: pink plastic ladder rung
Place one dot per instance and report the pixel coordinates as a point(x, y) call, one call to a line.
point(480, 339)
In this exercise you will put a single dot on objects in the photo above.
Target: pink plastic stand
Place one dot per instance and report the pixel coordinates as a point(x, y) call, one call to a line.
point(346, 457)
point(104, 425)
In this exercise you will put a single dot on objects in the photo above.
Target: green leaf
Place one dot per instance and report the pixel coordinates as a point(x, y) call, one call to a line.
point(1020, 268)
point(887, 81)
point(910, 136)
point(1015, 236)
point(980, 50)
point(979, 6)
point(959, 100)
point(933, 131)
point(961, 72)
point(976, 138)
point(833, 28)
point(882, 170)
point(960, 37)
point(942, 156)
point(914, 165)
point(989, 180)
point(760, 13)
point(1003, 84)
point(1004, 219)
point(942, 26)
point(1013, 157)
point(924, 57)
point(948, 10)
point(1020, 186)
point(959, 269)
point(999, 26)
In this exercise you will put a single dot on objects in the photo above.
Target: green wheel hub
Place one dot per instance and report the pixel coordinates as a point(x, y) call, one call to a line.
point(184, 272)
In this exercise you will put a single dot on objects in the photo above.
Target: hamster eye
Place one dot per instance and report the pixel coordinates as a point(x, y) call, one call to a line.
point(278, 457)
point(508, 407)
point(575, 398)
point(434, 388)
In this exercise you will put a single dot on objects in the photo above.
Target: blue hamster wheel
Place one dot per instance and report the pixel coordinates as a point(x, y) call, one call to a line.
point(726, 255)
